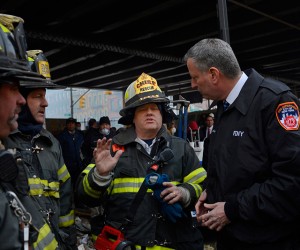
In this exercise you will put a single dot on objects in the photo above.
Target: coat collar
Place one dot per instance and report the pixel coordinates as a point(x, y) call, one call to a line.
point(244, 99)
point(43, 134)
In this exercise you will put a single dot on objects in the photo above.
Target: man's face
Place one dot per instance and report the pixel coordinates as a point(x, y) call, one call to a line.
point(200, 80)
point(71, 126)
point(147, 119)
point(37, 103)
point(209, 121)
point(10, 106)
point(104, 125)
point(78, 125)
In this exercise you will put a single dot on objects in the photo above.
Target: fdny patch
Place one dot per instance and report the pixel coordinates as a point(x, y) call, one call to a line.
point(288, 115)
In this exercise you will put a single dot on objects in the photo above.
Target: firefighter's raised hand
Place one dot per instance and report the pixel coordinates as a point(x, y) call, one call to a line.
point(105, 162)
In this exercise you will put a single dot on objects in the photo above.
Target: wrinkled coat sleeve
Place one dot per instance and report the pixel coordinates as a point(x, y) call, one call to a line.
point(87, 190)
point(193, 173)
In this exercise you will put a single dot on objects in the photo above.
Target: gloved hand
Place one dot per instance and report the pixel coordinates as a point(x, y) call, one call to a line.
point(171, 211)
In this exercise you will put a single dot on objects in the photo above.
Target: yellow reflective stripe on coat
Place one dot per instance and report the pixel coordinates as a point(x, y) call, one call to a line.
point(66, 220)
point(43, 187)
point(127, 185)
point(154, 248)
point(46, 239)
point(197, 176)
point(88, 168)
point(63, 173)
point(88, 189)
point(198, 189)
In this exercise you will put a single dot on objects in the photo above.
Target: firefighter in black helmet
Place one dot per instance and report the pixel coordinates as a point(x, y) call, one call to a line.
point(42, 172)
point(13, 56)
point(14, 218)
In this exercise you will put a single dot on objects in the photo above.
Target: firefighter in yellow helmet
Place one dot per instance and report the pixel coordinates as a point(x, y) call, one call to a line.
point(147, 180)
point(43, 177)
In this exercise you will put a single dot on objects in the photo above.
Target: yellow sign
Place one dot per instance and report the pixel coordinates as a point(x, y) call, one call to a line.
point(82, 102)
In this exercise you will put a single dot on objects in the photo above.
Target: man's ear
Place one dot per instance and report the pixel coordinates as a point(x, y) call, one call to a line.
point(215, 73)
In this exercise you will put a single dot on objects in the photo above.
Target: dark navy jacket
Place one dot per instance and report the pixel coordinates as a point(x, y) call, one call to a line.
point(71, 147)
point(254, 162)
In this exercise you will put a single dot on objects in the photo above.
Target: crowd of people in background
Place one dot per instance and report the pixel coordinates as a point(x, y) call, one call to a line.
point(78, 145)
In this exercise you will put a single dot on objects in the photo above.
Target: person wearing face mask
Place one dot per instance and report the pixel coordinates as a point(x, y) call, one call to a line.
point(171, 128)
point(90, 139)
point(105, 128)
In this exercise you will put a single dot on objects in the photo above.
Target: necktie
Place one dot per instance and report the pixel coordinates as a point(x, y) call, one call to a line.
point(225, 105)
point(208, 131)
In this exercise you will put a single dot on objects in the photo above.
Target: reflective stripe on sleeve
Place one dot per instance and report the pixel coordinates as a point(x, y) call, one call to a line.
point(197, 176)
point(46, 239)
point(88, 189)
point(66, 220)
point(153, 248)
point(88, 168)
point(63, 173)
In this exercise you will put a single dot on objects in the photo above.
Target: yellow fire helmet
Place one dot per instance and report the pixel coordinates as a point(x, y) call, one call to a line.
point(142, 91)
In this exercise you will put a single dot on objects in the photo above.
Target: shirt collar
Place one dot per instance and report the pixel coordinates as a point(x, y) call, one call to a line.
point(147, 147)
point(237, 89)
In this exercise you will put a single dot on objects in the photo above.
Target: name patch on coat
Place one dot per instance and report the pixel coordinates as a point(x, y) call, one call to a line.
point(288, 115)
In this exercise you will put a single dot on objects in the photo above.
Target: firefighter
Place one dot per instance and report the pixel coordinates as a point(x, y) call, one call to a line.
point(14, 217)
point(150, 220)
point(43, 176)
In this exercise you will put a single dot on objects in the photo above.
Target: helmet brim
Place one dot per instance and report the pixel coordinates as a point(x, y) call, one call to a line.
point(29, 82)
point(28, 79)
point(124, 111)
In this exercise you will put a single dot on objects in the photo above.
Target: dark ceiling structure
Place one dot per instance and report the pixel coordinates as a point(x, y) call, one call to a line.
point(107, 44)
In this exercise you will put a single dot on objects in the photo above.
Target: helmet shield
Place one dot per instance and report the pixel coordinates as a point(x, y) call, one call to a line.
point(38, 63)
point(143, 90)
